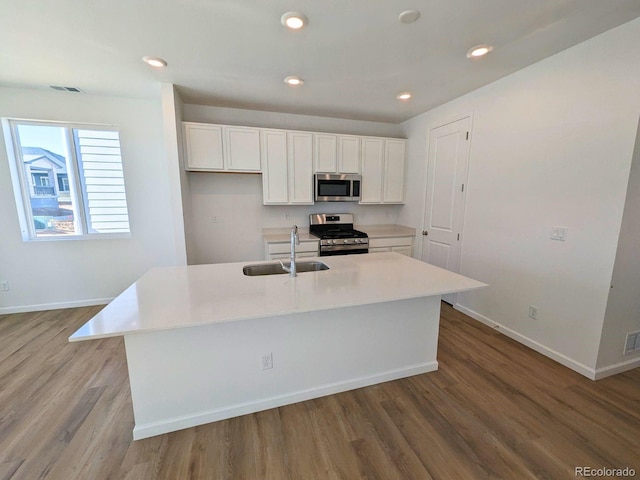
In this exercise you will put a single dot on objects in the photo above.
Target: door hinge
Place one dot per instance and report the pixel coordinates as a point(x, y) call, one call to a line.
point(462, 187)
point(458, 237)
point(467, 136)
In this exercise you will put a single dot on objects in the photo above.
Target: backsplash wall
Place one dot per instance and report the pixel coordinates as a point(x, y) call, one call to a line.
point(228, 217)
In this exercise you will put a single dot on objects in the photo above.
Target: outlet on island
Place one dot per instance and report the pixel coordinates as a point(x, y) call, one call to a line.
point(267, 361)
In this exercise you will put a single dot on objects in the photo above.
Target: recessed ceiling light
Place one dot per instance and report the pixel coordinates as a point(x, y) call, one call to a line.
point(479, 51)
point(409, 16)
point(294, 20)
point(156, 62)
point(293, 81)
point(403, 96)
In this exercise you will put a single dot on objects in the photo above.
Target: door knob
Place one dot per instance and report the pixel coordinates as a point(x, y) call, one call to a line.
point(425, 233)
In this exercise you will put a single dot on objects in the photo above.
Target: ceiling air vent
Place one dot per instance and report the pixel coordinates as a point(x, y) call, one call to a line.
point(66, 89)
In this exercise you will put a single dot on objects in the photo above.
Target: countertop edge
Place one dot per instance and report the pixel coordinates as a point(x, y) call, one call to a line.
point(74, 339)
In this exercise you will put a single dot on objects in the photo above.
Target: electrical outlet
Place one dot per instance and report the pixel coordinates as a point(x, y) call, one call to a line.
point(632, 343)
point(4, 286)
point(267, 361)
point(559, 233)
point(533, 312)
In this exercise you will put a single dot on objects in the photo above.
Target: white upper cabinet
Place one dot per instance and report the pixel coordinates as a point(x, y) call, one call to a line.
point(348, 154)
point(288, 159)
point(326, 153)
point(287, 177)
point(336, 153)
point(203, 145)
point(372, 170)
point(383, 164)
point(221, 148)
point(242, 148)
point(300, 149)
point(394, 162)
point(275, 187)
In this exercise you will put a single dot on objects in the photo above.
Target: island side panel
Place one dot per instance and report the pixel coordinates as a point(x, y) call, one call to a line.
point(191, 376)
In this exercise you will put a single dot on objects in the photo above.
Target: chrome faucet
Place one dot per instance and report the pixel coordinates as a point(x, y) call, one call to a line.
point(295, 240)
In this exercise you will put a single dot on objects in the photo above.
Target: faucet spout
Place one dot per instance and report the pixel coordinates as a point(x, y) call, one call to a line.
point(295, 240)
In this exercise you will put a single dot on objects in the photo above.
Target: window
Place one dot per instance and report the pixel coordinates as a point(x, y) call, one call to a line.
point(67, 178)
point(63, 182)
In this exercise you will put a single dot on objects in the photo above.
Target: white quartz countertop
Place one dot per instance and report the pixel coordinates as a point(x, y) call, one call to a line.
point(385, 231)
point(177, 297)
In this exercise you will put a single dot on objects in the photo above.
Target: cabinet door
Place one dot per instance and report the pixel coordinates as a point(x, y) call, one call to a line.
point(242, 148)
point(325, 153)
point(300, 168)
point(203, 145)
point(348, 154)
point(274, 177)
point(372, 170)
point(394, 160)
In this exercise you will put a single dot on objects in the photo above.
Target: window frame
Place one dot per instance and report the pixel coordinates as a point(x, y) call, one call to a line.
point(76, 184)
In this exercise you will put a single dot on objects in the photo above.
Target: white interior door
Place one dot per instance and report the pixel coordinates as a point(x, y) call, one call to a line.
point(448, 159)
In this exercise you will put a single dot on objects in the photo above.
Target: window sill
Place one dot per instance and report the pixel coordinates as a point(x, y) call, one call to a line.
point(73, 238)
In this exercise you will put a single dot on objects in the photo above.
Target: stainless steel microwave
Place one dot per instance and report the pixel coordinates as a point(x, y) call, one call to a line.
point(331, 187)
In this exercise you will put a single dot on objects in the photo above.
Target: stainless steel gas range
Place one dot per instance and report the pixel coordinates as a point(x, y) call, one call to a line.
point(337, 235)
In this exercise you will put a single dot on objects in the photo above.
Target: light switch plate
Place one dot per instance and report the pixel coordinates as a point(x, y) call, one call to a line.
point(559, 233)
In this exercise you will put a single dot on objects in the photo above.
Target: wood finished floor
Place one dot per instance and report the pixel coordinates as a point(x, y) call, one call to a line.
point(494, 409)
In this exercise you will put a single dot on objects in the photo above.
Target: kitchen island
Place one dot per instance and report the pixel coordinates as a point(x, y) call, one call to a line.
point(206, 342)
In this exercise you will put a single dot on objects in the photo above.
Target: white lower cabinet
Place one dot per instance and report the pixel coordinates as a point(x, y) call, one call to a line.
point(282, 250)
point(401, 245)
point(287, 176)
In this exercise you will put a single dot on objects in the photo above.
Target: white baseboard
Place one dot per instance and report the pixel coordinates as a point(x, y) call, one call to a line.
point(173, 424)
point(54, 306)
point(617, 368)
point(538, 347)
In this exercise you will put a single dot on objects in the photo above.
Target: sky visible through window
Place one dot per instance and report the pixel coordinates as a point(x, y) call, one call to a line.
point(50, 138)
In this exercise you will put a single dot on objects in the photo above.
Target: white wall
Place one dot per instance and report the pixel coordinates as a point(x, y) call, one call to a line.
point(172, 107)
point(551, 145)
point(623, 308)
point(289, 121)
point(227, 214)
point(61, 273)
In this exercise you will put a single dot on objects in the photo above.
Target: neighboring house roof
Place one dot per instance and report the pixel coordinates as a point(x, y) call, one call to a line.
point(33, 154)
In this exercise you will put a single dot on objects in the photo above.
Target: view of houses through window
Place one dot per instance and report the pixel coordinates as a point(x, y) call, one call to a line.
point(70, 180)
point(44, 154)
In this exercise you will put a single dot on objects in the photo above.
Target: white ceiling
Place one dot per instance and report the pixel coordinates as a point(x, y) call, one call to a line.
point(354, 55)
